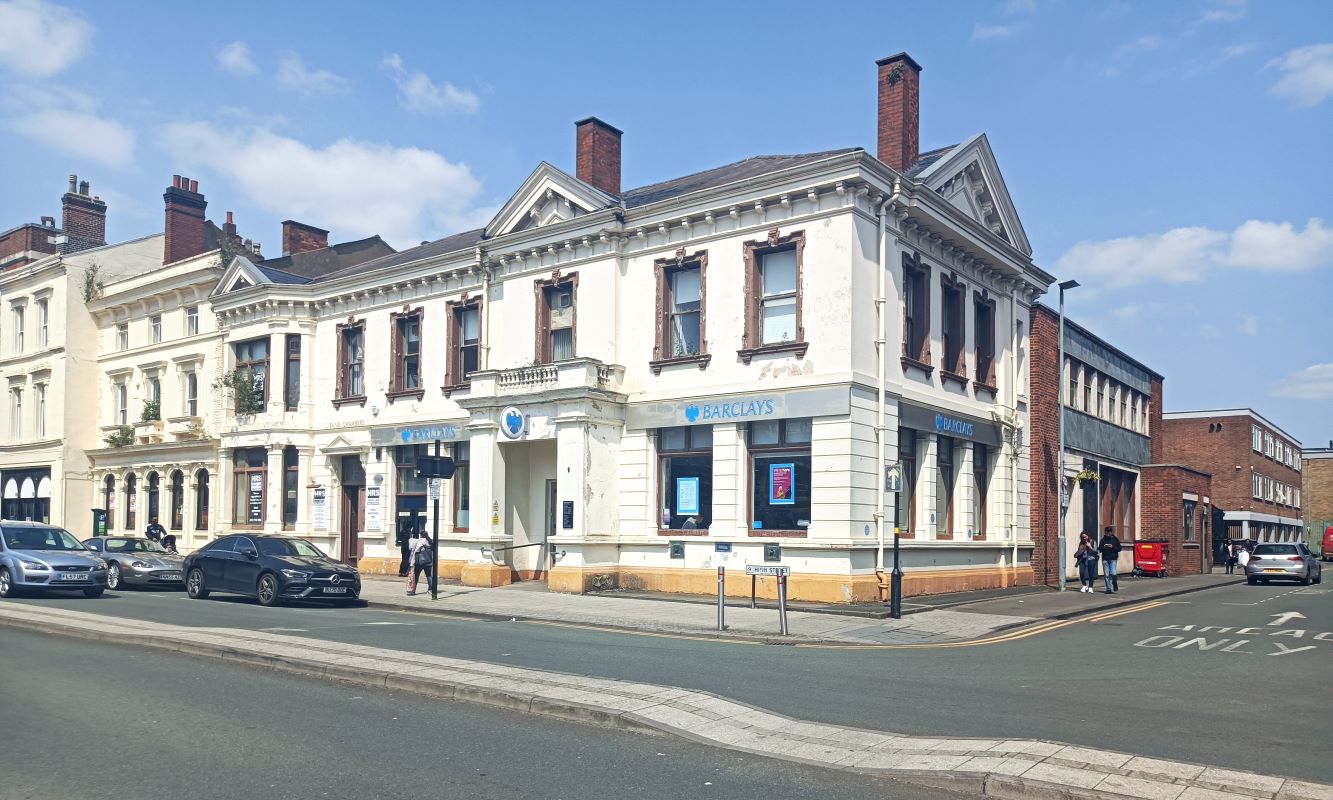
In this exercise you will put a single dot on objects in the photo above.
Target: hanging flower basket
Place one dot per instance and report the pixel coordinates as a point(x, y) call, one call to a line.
point(1088, 476)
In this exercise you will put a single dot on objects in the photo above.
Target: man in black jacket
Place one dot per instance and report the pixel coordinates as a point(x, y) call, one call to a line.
point(1109, 547)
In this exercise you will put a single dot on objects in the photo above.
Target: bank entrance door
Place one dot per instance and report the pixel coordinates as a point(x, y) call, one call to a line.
point(352, 517)
point(552, 517)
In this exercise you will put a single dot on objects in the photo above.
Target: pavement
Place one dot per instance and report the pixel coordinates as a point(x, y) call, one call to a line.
point(1010, 768)
point(963, 617)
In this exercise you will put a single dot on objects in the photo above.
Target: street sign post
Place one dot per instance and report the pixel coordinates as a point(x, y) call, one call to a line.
point(767, 570)
point(893, 478)
point(771, 571)
point(436, 469)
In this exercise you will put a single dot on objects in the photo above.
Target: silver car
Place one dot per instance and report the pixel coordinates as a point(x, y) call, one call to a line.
point(1274, 561)
point(136, 561)
point(35, 556)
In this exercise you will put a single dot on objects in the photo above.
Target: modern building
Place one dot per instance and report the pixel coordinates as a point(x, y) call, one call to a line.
point(641, 385)
point(1317, 492)
point(1255, 468)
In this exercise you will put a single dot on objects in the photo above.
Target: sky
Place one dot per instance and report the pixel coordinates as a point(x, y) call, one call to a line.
point(1173, 157)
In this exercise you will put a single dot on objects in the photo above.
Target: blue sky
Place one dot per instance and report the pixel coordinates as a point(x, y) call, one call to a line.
point(1171, 156)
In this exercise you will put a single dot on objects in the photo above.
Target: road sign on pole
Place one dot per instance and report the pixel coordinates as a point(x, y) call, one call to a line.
point(893, 477)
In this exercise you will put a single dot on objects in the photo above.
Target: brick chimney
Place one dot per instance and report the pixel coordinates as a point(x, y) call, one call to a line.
point(185, 226)
point(84, 218)
point(899, 142)
point(598, 154)
point(298, 237)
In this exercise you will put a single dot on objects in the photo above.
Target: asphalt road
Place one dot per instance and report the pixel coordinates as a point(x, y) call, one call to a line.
point(92, 720)
point(1254, 701)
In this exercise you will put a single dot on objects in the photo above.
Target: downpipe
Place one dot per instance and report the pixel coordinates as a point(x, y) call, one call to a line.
point(881, 300)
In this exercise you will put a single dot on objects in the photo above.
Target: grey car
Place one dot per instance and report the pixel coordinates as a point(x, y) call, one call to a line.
point(137, 561)
point(1283, 561)
point(35, 556)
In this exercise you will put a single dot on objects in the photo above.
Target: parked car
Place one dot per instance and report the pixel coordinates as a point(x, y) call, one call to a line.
point(35, 556)
point(136, 561)
point(1326, 549)
point(271, 569)
point(1283, 561)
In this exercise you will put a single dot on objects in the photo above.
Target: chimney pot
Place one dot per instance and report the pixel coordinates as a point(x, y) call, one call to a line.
point(597, 154)
point(899, 139)
point(73, 183)
point(229, 219)
point(194, 186)
point(83, 188)
point(175, 181)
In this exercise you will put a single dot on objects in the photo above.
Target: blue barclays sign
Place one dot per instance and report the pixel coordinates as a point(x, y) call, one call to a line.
point(418, 434)
point(957, 427)
point(730, 409)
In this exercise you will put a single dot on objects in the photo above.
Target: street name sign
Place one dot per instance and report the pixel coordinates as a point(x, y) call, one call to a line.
point(762, 569)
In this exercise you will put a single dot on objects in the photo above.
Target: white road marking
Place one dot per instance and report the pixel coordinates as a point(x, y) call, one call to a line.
point(388, 623)
point(1285, 617)
point(285, 630)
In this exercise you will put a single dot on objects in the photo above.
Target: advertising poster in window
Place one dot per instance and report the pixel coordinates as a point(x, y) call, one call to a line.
point(687, 496)
point(782, 484)
point(319, 516)
point(254, 506)
point(374, 519)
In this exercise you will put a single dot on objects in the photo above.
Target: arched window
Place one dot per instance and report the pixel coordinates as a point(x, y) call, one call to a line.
point(131, 502)
point(154, 497)
point(109, 500)
point(177, 500)
point(201, 500)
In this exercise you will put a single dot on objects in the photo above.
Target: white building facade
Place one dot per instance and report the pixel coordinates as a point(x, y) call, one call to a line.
point(639, 387)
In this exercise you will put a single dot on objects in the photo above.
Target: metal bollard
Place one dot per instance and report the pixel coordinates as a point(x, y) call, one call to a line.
point(782, 605)
point(722, 598)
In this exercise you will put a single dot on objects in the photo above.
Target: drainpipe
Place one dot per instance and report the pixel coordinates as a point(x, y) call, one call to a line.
point(1015, 431)
point(881, 299)
point(485, 343)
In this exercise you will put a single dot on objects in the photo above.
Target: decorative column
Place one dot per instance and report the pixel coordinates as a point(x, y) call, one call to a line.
point(928, 484)
point(965, 479)
point(488, 524)
point(273, 490)
point(220, 489)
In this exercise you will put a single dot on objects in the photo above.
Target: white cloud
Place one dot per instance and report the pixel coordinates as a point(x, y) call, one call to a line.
point(1249, 325)
point(1225, 11)
point(40, 39)
point(79, 134)
point(1125, 52)
point(1307, 74)
point(294, 74)
point(1020, 6)
point(237, 59)
point(1239, 49)
point(405, 194)
point(1315, 382)
point(1184, 255)
point(981, 32)
point(418, 93)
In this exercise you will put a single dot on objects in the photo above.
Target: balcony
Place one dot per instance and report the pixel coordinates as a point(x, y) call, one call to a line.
point(148, 431)
point(576, 377)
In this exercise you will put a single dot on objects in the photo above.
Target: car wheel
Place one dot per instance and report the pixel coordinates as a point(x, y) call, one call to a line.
point(93, 592)
point(267, 590)
point(1251, 581)
point(1305, 579)
point(7, 588)
point(113, 577)
point(194, 584)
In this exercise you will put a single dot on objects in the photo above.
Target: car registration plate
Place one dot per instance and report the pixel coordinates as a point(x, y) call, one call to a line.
point(335, 590)
point(70, 576)
point(169, 576)
point(1275, 570)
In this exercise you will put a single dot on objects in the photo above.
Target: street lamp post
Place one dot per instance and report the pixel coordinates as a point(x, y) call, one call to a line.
point(1062, 493)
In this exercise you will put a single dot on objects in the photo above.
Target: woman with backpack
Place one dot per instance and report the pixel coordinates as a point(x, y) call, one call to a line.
point(419, 549)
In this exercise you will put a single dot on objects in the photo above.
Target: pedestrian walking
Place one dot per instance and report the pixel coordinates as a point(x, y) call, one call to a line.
point(1242, 555)
point(420, 548)
point(1231, 557)
point(404, 536)
point(1086, 559)
point(155, 531)
point(1110, 550)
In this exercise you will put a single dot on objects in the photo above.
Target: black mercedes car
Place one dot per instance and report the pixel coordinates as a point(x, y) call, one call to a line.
point(270, 568)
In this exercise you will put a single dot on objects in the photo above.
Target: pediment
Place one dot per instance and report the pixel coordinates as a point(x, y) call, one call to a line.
point(548, 196)
point(969, 178)
point(241, 273)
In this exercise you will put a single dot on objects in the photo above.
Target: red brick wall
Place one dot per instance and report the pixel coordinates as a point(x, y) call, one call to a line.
point(1162, 517)
point(598, 154)
point(1199, 443)
point(1044, 442)
point(185, 225)
point(83, 221)
point(297, 237)
point(1155, 421)
point(899, 140)
point(28, 238)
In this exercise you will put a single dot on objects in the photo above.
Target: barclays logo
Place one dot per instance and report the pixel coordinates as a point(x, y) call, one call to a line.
point(692, 413)
point(512, 422)
point(734, 409)
point(945, 424)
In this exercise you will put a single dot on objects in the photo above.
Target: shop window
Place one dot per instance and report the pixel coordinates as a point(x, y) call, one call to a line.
point(291, 486)
point(351, 364)
point(685, 478)
point(464, 342)
point(984, 314)
point(773, 278)
point(201, 497)
point(249, 486)
point(462, 486)
point(177, 500)
point(252, 364)
point(953, 328)
point(109, 500)
point(131, 502)
point(410, 491)
point(405, 355)
point(680, 310)
point(906, 511)
point(981, 486)
point(780, 476)
point(916, 312)
point(1189, 520)
point(556, 318)
point(291, 386)
point(944, 487)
